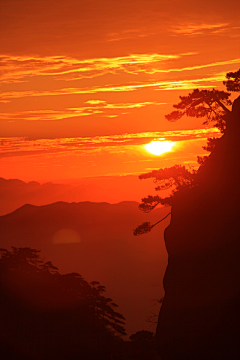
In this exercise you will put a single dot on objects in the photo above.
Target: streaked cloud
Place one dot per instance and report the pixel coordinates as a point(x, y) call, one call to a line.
point(197, 29)
point(89, 145)
point(197, 67)
point(95, 102)
point(204, 82)
point(47, 115)
point(128, 34)
point(19, 68)
point(98, 107)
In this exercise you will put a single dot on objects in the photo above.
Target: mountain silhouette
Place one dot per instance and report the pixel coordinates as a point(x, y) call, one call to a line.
point(200, 314)
point(15, 193)
point(96, 240)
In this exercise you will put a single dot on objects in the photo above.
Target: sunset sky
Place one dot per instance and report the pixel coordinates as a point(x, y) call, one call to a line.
point(85, 84)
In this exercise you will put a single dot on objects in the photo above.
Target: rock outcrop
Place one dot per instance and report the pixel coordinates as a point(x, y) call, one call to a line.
point(200, 314)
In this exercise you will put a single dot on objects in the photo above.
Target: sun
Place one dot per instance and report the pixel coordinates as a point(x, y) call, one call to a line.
point(159, 147)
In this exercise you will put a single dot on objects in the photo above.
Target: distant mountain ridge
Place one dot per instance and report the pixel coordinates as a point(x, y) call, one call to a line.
point(96, 240)
point(14, 193)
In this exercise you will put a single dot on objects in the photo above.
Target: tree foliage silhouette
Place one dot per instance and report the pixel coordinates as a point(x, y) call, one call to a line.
point(104, 309)
point(233, 81)
point(57, 316)
point(142, 346)
point(208, 104)
point(211, 105)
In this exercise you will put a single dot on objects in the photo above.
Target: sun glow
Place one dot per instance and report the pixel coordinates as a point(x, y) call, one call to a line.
point(159, 147)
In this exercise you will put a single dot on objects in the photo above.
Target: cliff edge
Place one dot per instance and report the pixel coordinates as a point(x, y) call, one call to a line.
point(200, 316)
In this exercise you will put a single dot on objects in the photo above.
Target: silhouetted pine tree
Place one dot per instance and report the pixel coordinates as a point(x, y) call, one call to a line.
point(46, 315)
point(211, 105)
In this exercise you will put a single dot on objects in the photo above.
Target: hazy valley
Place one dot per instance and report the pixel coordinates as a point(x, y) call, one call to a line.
point(96, 240)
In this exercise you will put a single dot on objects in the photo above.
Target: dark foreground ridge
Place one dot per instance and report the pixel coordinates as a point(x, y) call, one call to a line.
point(46, 315)
point(96, 241)
point(200, 315)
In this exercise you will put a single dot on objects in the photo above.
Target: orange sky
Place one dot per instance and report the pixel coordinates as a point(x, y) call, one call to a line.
point(85, 84)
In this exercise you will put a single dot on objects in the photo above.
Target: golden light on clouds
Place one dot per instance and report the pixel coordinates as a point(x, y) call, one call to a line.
point(197, 29)
point(159, 147)
point(95, 107)
point(82, 100)
point(17, 68)
point(21, 146)
point(199, 82)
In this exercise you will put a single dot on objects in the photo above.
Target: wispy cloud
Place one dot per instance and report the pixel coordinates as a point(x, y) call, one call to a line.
point(197, 67)
point(97, 107)
point(95, 102)
point(128, 34)
point(156, 85)
point(19, 68)
point(197, 29)
point(86, 145)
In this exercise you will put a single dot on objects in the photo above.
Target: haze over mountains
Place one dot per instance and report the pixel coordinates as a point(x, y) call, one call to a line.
point(14, 193)
point(96, 240)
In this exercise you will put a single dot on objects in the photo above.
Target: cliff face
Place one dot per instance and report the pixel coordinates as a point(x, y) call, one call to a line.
point(200, 315)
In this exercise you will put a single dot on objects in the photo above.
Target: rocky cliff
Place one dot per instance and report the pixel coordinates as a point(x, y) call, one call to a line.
point(200, 315)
